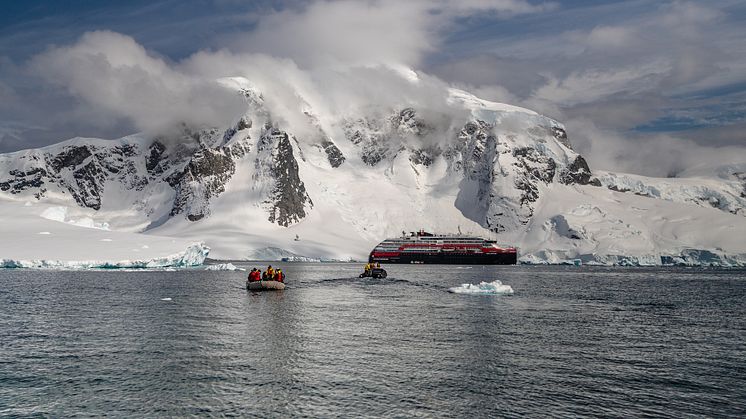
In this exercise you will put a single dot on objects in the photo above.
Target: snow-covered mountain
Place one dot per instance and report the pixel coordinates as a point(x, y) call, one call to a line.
point(334, 185)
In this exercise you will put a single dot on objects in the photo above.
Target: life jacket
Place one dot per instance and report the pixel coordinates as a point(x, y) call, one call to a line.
point(278, 276)
point(270, 273)
point(255, 276)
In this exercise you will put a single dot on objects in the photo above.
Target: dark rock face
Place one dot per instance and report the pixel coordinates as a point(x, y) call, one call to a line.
point(406, 121)
point(204, 176)
point(81, 171)
point(577, 172)
point(335, 156)
point(473, 154)
point(425, 156)
point(89, 185)
point(543, 167)
point(69, 157)
point(193, 169)
point(532, 167)
point(373, 154)
point(88, 176)
point(498, 196)
point(153, 163)
point(374, 136)
point(288, 198)
point(561, 136)
point(371, 137)
point(33, 178)
point(742, 177)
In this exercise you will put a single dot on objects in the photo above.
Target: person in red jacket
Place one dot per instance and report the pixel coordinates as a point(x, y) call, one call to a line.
point(254, 275)
point(279, 276)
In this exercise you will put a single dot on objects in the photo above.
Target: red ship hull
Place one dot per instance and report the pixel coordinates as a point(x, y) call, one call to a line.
point(448, 259)
point(451, 250)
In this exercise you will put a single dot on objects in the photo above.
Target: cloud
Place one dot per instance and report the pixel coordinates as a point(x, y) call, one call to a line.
point(659, 155)
point(113, 72)
point(605, 70)
point(353, 33)
point(344, 33)
point(594, 84)
point(611, 37)
point(619, 67)
point(335, 54)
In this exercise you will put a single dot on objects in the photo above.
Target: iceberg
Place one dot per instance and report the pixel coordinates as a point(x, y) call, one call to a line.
point(223, 267)
point(494, 287)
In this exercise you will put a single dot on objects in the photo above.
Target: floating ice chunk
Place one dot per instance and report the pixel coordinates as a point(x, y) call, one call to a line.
point(223, 267)
point(166, 299)
point(44, 233)
point(105, 240)
point(495, 287)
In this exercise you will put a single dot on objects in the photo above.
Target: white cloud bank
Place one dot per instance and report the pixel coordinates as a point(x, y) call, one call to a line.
point(341, 55)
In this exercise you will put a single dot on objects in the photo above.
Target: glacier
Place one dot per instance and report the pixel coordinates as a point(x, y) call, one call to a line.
point(292, 179)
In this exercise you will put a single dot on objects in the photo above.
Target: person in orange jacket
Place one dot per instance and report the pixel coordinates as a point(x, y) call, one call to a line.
point(269, 274)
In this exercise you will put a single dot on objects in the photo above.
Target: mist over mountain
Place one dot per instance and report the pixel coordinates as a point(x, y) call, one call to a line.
point(647, 87)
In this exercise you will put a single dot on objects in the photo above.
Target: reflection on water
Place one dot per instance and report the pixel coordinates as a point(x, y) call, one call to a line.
point(570, 341)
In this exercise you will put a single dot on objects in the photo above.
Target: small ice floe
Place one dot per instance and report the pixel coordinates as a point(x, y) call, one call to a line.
point(44, 233)
point(495, 287)
point(106, 240)
point(223, 267)
point(166, 299)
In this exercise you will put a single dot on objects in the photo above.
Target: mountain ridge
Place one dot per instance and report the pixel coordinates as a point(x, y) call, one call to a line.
point(484, 167)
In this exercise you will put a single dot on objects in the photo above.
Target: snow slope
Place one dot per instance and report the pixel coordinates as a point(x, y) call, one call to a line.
point(602, 226)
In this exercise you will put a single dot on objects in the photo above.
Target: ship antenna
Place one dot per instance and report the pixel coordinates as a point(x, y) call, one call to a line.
point(459, 230)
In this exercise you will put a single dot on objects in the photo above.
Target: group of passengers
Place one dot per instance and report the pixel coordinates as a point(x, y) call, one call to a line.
point(271, 274)
point(369, 266)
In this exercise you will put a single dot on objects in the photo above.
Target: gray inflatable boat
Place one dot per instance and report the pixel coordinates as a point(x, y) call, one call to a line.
point(265, 286)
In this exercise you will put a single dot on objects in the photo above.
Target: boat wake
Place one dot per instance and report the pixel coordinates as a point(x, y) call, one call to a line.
point(363, 281)
point(495, 287)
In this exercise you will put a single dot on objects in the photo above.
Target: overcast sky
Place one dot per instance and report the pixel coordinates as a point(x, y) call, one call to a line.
point(644, 86)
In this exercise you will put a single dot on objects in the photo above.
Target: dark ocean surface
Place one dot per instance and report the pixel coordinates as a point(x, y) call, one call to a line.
point(569, 342)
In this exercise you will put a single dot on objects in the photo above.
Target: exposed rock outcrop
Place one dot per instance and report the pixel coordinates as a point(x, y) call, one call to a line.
point(288, 200)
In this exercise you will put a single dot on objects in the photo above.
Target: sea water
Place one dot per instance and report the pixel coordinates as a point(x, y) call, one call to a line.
point(569, 341)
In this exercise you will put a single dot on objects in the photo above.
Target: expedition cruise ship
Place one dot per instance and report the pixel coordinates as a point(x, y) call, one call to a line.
point(423, 247)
